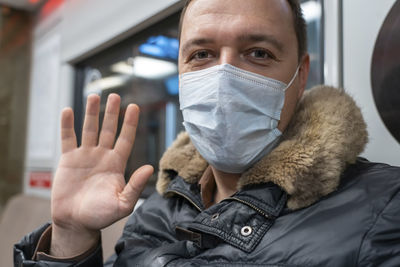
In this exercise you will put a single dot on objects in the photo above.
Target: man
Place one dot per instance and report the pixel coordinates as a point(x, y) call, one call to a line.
point(232, 191)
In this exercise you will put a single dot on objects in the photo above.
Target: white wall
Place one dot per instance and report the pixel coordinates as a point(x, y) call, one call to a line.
point(362, 20)
point(83, 27)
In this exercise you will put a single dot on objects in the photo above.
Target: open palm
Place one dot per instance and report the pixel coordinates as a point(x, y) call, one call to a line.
point(89, 191)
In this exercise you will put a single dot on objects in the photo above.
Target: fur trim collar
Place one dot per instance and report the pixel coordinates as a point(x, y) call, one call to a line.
point(326, 133)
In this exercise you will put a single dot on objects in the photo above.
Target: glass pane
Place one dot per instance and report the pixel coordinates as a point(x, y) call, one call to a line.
point(142, 70)
point(312, 10)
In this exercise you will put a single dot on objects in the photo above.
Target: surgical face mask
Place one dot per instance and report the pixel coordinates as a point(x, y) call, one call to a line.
point(231, 115)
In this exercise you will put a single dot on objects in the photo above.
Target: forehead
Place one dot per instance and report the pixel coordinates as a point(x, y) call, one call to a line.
point(233, 16)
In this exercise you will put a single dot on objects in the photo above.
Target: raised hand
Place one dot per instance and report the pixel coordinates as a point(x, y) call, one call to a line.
point(89, 191)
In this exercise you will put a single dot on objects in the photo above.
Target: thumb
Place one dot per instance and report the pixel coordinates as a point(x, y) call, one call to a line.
point(134, 188)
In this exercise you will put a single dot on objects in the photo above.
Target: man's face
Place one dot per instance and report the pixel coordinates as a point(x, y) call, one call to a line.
point(255, 35)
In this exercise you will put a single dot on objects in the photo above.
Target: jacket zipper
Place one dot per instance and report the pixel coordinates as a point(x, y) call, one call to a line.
point(187, 198)
point(252, 206)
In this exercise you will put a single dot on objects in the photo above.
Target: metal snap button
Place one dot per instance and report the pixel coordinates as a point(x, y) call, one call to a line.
point(246, 230)
point(214, 217)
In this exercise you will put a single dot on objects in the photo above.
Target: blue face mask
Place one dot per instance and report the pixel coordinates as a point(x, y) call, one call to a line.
point(231, 115)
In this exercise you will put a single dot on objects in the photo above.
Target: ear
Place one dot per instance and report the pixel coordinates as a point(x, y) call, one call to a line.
point(303, 74)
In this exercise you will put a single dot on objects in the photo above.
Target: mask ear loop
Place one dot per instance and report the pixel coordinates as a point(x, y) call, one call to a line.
point(293, 78)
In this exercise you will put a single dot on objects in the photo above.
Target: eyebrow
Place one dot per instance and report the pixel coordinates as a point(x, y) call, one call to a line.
point(262, 38)
point(196, 42)
point(242, 38)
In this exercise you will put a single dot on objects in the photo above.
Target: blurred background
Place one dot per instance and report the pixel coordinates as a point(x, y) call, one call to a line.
point(54, 53)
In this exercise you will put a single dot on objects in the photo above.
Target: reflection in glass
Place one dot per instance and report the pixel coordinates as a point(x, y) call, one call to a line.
point(312, 10)
point(142, 70)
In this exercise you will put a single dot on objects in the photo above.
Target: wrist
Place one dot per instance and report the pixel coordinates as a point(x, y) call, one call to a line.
point(70, 242)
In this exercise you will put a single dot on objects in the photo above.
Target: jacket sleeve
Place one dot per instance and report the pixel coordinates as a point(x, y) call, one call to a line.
point(381, 244)
point(24, 253)
point(149, 233)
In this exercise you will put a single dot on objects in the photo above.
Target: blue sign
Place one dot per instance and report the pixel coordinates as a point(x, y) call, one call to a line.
point(172, 85)
point(161, 47)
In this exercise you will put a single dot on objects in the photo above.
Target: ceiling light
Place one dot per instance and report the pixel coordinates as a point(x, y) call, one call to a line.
point(311, 10)
point(96, 87)
point(151, 68)
point(123, 68)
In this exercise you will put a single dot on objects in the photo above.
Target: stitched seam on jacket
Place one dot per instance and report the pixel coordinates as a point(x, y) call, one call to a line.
point(374, 223)
point(233, 240)
point(193, 197)
point(268, 208)
point(239, 263)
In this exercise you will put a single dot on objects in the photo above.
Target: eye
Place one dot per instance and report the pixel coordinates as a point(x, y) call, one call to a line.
point(260, 54)
point(201, 55)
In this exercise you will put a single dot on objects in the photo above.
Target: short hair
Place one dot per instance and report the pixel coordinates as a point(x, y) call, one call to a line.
point(299, 24)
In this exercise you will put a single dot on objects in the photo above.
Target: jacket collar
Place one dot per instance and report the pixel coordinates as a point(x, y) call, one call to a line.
point(326, 133)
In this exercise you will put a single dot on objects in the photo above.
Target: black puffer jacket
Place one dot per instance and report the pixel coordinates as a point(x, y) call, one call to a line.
point(310, 202)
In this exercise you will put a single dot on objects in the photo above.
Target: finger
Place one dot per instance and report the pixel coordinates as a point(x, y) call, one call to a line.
point(125, 141)
point(134, 188)
point(110, 122)
point(91, 124)
point(68, 137)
